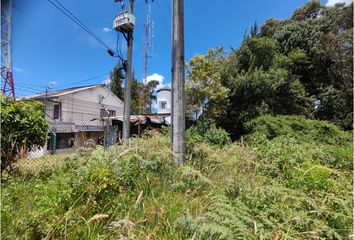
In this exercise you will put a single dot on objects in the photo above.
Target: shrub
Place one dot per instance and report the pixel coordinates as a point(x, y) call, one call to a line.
point(217, 136)
point(297, 127)
point(23, 126)
point(312, 177)
point(284, 142)
point(190, 179)
point(213, 136)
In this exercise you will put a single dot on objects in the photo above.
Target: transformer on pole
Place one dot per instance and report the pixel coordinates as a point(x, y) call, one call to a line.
point(124, 22)
point(7, 81)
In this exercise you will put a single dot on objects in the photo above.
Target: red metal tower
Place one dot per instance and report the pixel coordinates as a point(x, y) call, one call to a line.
point(7, 81)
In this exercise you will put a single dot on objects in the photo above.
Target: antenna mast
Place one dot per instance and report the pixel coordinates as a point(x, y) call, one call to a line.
point(7, 81)
point(146, 43)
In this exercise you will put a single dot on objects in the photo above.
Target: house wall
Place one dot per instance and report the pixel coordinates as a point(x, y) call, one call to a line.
point(80, 111)
point(84, 107)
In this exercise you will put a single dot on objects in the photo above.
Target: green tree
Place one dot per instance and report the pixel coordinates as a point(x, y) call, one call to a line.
point(143, 96)
point(254, 53)
point(332, 58)
point(136, 91)
point(147, 96)
point(302, 65)
point(205, 93)
point(310, 10)
point(116, 82)
point(23, 127)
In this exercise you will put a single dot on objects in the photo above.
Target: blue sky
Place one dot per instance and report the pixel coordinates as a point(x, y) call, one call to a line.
point(48, 48)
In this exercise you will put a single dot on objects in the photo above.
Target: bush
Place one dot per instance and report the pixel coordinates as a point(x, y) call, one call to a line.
point(298, 127)
point(312, 177)
point(284, 142)
point(213, 136)
point(23, 126)
point(217, 136)
point(190, 179)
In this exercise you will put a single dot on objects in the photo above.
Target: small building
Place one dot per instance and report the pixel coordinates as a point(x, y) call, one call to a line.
point(78, 114)
point(163, 100)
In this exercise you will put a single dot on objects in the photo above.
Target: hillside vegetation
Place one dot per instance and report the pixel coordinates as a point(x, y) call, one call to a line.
point(302, 65)
point(290, 178)
point(269, 156)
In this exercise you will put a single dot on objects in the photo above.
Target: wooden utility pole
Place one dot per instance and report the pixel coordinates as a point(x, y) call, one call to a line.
point(128, 82)
point(178, 112)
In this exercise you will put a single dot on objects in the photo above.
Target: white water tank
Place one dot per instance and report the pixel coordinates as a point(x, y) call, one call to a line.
point(163, 99)
point(124, 21)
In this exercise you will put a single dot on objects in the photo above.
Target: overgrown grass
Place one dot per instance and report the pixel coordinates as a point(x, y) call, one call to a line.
point(266, 188)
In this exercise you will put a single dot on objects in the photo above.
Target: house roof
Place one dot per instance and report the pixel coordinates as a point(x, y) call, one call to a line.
point(165, 88)
point(61, 92)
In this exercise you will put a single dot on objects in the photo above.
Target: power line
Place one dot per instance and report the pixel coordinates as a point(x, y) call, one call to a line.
point(85, 80)
point(73, 18)
point(27, 86)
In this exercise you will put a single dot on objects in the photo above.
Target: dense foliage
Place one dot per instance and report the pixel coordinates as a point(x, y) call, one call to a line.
point(302, 65)
point(115, 81)
point(23, 127)
point(288, 177)
point(275, 184)
point(142, 94)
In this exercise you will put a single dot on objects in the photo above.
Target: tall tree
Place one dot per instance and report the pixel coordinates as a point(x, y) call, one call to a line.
point(205, 93)
point(302, 65)
point(143, 96)
point(116, 81)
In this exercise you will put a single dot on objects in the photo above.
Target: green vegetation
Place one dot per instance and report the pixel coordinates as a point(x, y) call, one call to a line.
point(23, 127)
point(298, 66)
point(115, 84)
point(281, 181)
point(285, 94)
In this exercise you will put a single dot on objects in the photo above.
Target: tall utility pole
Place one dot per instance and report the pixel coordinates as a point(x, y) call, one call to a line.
point(128, 81)
point(7, 81)
point(178, 112)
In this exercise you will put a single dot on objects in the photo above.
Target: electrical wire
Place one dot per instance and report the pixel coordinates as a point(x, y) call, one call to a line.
point(27, 86)
point(118, 47)
point(73, 18)
point(81, 81)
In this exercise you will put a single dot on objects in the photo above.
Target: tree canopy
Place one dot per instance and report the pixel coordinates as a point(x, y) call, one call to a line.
point(301, 65)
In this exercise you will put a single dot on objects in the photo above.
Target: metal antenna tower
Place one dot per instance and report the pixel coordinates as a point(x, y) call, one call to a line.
point(7, 81)
point(146, 43)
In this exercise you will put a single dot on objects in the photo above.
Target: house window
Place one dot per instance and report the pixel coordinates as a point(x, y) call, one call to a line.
point(163, 104)
point(103, 113)
point(112, 113)
point(56, 113)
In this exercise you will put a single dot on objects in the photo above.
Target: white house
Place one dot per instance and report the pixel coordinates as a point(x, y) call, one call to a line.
point(163, 100)
point(77, 114)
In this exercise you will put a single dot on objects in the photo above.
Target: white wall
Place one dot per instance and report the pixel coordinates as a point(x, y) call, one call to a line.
point(84, 106)
point(163, 95)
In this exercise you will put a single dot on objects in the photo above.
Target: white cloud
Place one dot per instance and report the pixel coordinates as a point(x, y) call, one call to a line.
point(52, 83)
point(107, 81)
point(331, 3)
point(156, 77)
point(17, 69)
point(106, 29)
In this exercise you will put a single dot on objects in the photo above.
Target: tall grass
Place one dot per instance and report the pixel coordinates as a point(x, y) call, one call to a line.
point(267, 188)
